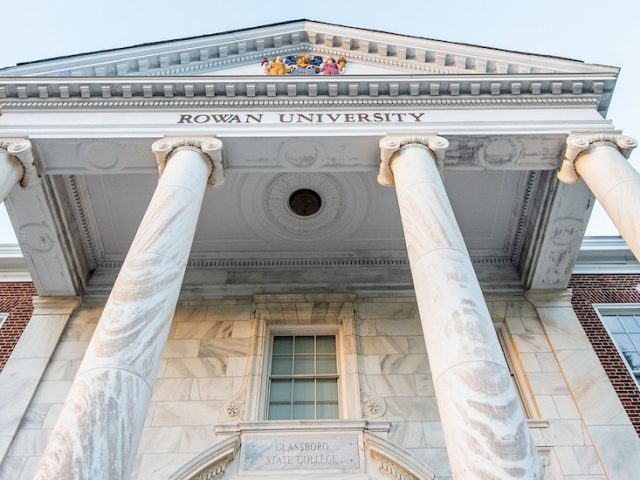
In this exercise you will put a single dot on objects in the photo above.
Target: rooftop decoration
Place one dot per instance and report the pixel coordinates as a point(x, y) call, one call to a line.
point(304, 64)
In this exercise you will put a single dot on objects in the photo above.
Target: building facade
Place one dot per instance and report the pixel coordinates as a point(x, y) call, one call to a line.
point(314, 251)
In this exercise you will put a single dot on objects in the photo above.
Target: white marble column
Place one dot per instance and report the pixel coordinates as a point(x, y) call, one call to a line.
point(16, 165)
point(97, 433)
point(484, 424)
point(601, 161)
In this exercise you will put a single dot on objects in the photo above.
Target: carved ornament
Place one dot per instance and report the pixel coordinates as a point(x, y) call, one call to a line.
point(391, 469)
point(371, 405)
point(20, 150)
point(304, 64)
point(579, 143)
point(389, 146)
point(235, 407)
point(211, 148)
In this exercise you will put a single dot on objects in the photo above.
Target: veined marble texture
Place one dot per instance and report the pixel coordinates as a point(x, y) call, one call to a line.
point(99, 428)
point(485, 428)
point(616, 185)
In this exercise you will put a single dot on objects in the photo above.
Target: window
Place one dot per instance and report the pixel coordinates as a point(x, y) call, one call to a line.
point(3, 317)
point(303, 378)
point(623, 324)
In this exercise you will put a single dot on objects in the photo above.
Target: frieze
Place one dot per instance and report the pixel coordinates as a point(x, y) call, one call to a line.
point(304, 118)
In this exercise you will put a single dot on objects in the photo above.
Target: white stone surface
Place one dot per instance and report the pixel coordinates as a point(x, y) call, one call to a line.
point(10, 173)
point(483, 421)
point(99, 428)
point(300, 452)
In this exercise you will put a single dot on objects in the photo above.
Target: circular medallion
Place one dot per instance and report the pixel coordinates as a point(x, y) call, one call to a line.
point(304, 204)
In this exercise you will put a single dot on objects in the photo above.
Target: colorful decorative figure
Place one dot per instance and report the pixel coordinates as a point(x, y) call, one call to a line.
point(264, 63)
point(303, 64)
point(330, 67)
point(277, 67)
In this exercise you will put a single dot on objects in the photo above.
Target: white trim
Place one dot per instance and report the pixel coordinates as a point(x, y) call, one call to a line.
point(600, 255)
point(13, 267)
point(610, 309)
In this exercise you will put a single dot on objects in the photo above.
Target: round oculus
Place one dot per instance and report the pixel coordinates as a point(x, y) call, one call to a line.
point(305, 202)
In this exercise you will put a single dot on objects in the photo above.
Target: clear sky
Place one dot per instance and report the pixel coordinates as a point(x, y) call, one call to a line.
point(589, 30)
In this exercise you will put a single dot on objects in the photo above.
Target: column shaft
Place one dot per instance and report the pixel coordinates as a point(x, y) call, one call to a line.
point(485, 429)
point(97, 433)
point(616, 185)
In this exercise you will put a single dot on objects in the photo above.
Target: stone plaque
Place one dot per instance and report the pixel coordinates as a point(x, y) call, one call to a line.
point(301, 452)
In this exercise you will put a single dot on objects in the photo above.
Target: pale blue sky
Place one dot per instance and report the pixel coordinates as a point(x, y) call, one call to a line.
point(589, 30)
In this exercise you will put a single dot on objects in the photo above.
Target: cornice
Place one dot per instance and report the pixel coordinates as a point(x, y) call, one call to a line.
point(449, 91)
point(241, 47)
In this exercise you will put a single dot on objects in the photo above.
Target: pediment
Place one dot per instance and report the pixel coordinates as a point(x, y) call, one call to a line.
point(239, 53)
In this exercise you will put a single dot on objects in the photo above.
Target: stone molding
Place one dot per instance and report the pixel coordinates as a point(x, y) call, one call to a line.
point(240, 47)
point(394, 462)
point(579, 143)
point(211, 148)
point(20, 150)
point(210, 464)
point(43, 91)
point(309, 102)
point(390, 145)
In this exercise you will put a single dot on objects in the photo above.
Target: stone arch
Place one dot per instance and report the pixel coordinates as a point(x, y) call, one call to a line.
point(385, 459)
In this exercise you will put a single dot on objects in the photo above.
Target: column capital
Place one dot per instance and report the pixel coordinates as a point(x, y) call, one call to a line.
point(390, 145)
point(20, 150)
point(580, 142)
point(210, 147)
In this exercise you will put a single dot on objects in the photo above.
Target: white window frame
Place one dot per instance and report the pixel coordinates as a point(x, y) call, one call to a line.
point(610, 309)
point(3, 318)
point(301, 330)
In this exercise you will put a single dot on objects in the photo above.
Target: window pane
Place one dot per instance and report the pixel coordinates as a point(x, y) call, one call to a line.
point(327, 410)
point(303, 390)
point(326, 344)
point(633, 358)
point(303, 411)
point(326, 364)
point(282, 345)
point(327, 390)
point(613, 324)
point(629, 323)
point(303, 364)
point(280, 391)
point(278, 411)
point(304, 344)
point(635, 338)
point(623, 341)
point(281, 365)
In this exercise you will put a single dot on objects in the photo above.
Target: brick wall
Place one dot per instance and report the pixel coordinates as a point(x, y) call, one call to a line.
point(590, 289)
point(15, 299)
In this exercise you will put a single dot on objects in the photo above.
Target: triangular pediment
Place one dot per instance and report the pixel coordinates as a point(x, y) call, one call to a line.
point(240, 53)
